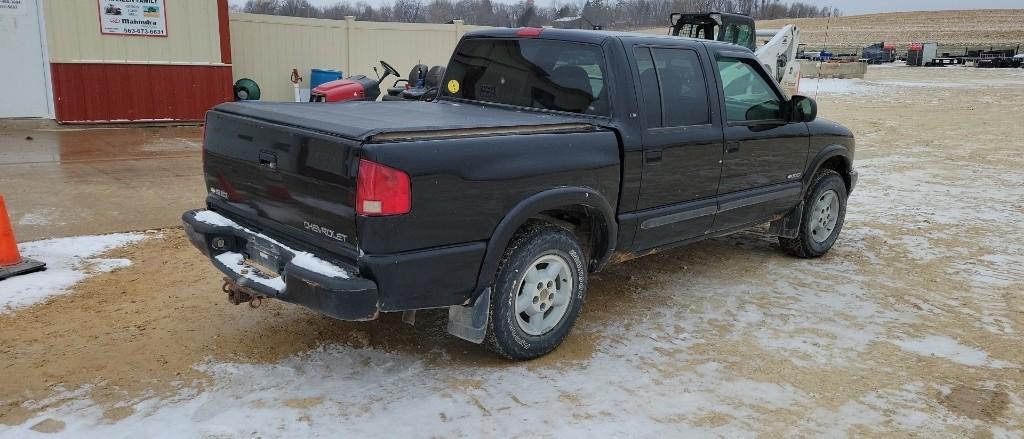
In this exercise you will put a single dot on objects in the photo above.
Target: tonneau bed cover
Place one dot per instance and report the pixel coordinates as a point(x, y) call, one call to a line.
point(361, 120)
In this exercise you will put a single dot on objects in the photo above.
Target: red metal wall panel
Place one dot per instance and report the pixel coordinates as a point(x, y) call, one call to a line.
point(137, 92)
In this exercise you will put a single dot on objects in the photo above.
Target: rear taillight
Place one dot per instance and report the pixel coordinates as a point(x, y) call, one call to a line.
point(382, 191)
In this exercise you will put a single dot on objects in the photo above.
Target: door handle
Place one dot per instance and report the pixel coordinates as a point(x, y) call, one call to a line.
point(732, 147)
point(653, 156)
point(268, 159)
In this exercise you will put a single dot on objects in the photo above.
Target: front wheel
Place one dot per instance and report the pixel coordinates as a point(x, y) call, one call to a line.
point(538, 293)
point(823, 216)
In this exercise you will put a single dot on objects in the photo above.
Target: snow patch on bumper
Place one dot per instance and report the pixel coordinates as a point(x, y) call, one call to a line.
point(236, 263)
point(302, 259)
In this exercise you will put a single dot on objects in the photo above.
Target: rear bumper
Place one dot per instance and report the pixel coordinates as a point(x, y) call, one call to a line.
point(331, 289)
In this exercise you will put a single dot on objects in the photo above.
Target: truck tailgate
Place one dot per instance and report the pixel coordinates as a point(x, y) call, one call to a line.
point(280, 176)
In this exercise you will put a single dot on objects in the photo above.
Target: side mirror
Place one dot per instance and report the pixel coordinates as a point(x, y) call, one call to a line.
point(803, 109)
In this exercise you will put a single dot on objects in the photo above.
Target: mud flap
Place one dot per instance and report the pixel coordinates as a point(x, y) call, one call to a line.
point(789, 225)
point(470, 322)
point(409, 317)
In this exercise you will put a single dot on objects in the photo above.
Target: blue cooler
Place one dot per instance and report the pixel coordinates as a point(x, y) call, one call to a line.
point(318, 76)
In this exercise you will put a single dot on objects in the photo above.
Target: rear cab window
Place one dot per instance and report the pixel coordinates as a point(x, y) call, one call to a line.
point(532, 72)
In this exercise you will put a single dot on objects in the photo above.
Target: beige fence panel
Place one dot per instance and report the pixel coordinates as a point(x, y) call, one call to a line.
point(403, 45)
point(266, 48)
point(73, 35)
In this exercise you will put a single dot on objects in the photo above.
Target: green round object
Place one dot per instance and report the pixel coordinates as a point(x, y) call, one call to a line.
point(247, 90)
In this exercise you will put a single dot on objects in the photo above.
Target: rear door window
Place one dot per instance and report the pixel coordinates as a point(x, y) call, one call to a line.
point(674, 89)
point(649, 85)
point(684, 93)
point(532, 72)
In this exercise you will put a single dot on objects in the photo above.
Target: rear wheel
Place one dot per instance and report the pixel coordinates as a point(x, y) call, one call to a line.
point(824, 213)
point(538, 293)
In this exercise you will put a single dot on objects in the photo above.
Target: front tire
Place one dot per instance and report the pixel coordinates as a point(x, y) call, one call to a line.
point(538, 293)
point(823, 216)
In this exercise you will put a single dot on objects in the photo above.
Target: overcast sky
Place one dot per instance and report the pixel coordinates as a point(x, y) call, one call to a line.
point(849, 7)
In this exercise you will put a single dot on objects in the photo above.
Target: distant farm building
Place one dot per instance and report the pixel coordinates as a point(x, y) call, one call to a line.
point(575, 22)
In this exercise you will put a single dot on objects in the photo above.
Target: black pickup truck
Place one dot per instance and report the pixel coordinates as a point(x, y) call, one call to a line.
point(546, 155)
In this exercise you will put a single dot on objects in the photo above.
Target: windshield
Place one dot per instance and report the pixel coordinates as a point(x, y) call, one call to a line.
point(537, 73)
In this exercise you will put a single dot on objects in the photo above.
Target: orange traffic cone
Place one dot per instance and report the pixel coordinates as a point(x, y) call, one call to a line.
point(11, 262)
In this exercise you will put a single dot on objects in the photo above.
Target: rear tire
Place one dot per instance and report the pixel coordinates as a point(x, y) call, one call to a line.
point(538, 293)
point(823, 216)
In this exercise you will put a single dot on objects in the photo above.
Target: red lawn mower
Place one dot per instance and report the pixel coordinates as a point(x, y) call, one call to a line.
point(420, 85)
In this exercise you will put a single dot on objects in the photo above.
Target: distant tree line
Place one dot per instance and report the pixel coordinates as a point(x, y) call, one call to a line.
point(612, 14)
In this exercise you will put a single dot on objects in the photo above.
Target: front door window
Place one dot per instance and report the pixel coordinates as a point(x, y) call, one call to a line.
point(748, 96)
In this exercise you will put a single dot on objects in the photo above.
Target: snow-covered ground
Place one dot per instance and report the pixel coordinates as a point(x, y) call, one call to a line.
point(826, 86)
point(811, 87)
point(68, 261)
point(872, 86)
point(672, 373)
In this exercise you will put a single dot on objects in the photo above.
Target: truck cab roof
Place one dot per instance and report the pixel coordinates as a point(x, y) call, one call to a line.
point(596, 36)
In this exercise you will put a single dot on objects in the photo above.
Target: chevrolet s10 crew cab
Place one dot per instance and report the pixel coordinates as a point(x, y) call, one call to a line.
point(546, 155)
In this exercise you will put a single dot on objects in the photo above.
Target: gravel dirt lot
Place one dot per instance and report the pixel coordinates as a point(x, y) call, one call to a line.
point(911, 326)
point(70, 181)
